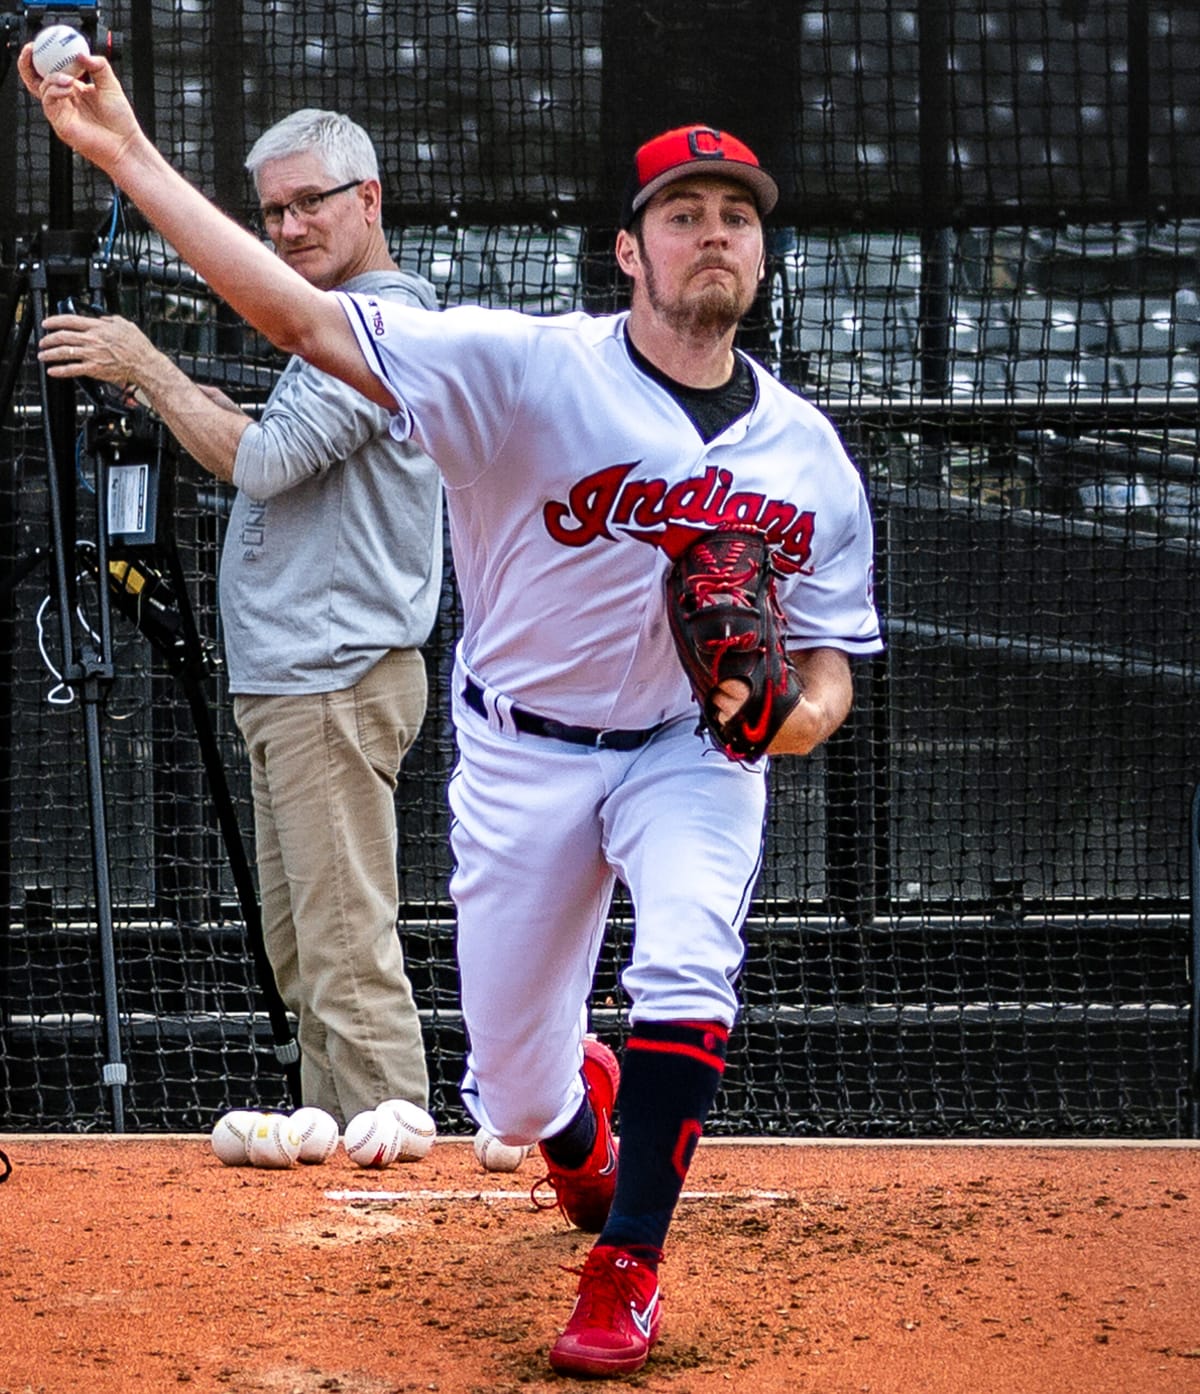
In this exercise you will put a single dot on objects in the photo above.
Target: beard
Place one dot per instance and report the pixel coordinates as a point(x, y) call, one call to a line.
point(709, 312)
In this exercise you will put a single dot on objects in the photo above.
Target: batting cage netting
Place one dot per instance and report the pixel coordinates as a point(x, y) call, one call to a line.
point(974, 915)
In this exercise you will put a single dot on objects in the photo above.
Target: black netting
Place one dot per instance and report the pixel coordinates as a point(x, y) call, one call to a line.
point(974, 911)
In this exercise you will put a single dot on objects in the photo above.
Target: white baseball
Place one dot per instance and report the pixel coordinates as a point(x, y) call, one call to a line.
point(418, 1131)
point(57, 49)
point(229, 1136)
point(318, 1133)
point(273, 1142)
point(494, 1155)
point(371, 1138)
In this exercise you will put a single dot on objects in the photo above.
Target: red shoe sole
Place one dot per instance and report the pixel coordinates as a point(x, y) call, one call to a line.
point(599, 1367)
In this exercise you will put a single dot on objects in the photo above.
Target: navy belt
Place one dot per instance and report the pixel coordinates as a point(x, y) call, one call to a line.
point(534, 725)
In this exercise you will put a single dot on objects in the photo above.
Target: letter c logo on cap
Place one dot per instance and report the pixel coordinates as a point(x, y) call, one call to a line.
point(705, 143)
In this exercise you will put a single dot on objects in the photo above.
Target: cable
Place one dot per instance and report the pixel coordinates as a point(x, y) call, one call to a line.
point(55, 696)
point(117, 216)
point(62, 694)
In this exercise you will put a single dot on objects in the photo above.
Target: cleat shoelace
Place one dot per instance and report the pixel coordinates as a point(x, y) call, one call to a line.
point(607, 1297)
point(542, 1201)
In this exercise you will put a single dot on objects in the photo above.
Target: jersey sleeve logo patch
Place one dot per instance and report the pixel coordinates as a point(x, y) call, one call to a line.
point(608, 503)
point(375, 317)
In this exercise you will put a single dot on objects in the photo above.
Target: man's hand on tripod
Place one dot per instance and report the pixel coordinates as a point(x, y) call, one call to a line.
point(93, 117)
point(107, 348)
point(203, 420)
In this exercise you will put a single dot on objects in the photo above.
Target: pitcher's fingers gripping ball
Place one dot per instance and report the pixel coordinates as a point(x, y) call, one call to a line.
point(372, 1138)
point(318, 1134)
point(229, 1136)
point(494, 1155)
point(417, 1130)
point(57, 49)
point(273, 1142)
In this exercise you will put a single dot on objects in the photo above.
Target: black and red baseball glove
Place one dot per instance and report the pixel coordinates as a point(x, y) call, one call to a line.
point(726, 623)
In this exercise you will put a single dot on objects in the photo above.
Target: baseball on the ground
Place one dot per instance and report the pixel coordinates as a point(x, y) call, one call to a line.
point(494, 1155)
point(57, 49)
point(318, 1133)
point(272, 1142)
point(418, 1132)
point(371, 1138)
point(229, 1136)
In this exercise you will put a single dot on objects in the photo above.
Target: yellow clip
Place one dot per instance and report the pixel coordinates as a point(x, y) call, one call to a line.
point(133, 580)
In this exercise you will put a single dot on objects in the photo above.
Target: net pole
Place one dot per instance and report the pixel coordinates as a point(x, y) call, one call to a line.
point(1194, 1033)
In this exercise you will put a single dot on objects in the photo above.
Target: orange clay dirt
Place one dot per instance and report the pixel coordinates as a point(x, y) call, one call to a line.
point(144, 1264)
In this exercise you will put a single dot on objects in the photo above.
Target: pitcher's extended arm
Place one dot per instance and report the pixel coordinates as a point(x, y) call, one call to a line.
point(95, 119)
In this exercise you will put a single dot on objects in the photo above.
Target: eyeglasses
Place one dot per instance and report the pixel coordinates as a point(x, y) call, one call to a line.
point(271, 214)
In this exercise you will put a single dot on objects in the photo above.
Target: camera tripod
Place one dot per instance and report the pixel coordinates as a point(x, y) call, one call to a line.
point(137, 567)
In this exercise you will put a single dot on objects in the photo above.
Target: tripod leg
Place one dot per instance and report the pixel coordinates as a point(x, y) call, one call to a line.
point(114, 1073)
point(87, 671)
point(188, 662)
point(287, 1051)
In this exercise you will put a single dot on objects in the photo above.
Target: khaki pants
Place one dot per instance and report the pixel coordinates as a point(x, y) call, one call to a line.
point(323, 772)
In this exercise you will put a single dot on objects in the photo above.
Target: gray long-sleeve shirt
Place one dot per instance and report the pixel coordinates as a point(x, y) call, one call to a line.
point(333, 553)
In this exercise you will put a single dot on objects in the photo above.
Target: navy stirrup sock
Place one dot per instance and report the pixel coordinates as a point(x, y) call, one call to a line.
point(669, 1078)
point(572, 1146)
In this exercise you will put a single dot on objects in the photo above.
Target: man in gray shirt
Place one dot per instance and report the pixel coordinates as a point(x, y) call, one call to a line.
point(330, 578)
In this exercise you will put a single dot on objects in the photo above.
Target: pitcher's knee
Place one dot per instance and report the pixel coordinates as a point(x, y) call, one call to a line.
point(518, 1125)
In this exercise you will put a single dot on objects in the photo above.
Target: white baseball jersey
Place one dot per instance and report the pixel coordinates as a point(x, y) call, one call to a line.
point(574, 478)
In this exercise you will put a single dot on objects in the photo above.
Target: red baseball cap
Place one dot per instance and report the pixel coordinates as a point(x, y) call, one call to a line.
point(692, 150)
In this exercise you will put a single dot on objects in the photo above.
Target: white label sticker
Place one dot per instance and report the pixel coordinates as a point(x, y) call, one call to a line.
point(128, 499)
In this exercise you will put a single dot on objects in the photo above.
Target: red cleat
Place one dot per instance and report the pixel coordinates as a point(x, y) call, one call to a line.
point(616, 1319)
point(584, 1194)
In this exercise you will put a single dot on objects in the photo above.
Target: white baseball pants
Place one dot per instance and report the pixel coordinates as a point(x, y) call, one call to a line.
point(541, 831)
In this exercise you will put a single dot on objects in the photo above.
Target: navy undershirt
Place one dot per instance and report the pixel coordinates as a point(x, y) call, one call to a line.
point(710, 409)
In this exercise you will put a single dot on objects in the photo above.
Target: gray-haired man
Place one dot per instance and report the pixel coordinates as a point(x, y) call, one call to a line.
point(330, 577)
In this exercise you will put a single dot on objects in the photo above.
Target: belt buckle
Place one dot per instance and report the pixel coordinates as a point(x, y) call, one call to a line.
point(615, 739)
